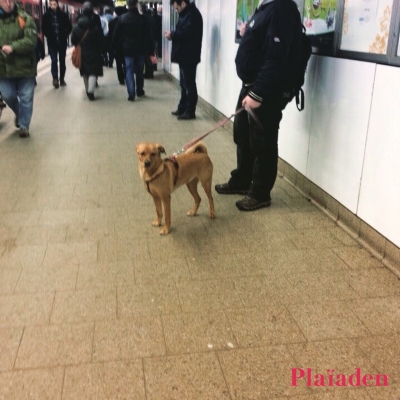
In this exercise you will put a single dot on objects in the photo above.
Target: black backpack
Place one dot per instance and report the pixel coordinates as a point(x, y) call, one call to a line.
point(297, 55)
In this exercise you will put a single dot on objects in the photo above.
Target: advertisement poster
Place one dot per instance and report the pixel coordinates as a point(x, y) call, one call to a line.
point(366, 25)
point(245, 9)
point(319, 18)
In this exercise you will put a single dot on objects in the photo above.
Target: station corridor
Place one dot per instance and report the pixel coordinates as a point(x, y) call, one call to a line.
point(95, 304)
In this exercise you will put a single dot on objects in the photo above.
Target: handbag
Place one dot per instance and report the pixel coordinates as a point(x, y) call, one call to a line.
point(76, 56)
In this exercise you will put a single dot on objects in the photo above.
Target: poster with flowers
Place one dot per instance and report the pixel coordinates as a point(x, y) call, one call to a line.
point(366, 25)
point(244, 10)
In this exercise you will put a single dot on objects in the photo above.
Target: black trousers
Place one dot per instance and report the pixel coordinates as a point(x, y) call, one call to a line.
point(257, 147)
point(187, 82)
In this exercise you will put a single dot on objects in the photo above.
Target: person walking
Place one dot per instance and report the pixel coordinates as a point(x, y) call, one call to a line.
point(261, 62)
point(186, 51)
point(133, 34)
point(57, 27)
point(117, 51)
point(18, 36)
point(90, 36)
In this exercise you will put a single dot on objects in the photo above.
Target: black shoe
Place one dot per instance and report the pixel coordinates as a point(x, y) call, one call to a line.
point(24, 133)
point(186, 116)
point(62, 82)
point(140, 94)
point(225, 188)
point(56, 84)
point(250, 204)
point(90, 96)
point(122, 83)
point(131, 98)
point(177, 112)
point(16, 123)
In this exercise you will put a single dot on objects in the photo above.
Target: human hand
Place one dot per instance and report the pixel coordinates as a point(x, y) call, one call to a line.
point(248, 102)
point(167, 34)
point(7, 49)
point(243, 28)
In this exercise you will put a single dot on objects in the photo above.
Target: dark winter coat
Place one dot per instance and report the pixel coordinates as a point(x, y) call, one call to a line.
point(187, 37)
point(92, 60)
point(64, 30)
point(133, 34)
point(262, 53)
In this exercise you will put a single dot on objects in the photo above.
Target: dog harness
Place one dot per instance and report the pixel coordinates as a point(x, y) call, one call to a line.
point(176, 165)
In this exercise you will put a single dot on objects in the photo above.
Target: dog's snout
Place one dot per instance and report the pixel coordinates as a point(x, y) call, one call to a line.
point(147, 163)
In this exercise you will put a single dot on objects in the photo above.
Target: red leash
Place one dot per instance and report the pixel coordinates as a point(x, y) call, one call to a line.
point(223, 122)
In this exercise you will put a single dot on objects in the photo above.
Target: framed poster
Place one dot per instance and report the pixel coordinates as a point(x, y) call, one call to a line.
point(244, 10)
point(319, 18)
point(366, 25)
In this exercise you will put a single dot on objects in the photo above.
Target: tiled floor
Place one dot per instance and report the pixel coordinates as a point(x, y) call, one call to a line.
point(94, 304)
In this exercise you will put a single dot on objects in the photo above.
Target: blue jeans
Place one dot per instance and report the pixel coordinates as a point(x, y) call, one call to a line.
point(60, 52)
point(187, 82)
point(134, 68)
point(18, 94)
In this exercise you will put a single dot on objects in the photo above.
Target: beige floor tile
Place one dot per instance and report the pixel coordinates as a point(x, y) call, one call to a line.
point(18, 256)
point(328, 320)
point(8, 234)
point(112, 250)
point(90, 232)
point(312, 260)
point(344, 238)
point(47, 279)
point(381, 315)
point(261, 327)
point(105, 381)
point(39, 384)
point(357, 257)
point(8, 279)
point(157, 299)
point(391, 392)
point(98, 275)
point(25, 310)
point(374, 282)
point(260, 373)
point(313, 238)
point(260, 262)
point(128, 339)
point(9, 342)
point(84, 306)
point(150, 271)
point(52, 346)
point(37, 235)
point(384, 353)
point(208, 295)
point(196, 332)
point(310, 220)
point(70, 253)
point(189, 377)
point(270, 241)
point(322, 287)
point(263, 291)
point(21, 218)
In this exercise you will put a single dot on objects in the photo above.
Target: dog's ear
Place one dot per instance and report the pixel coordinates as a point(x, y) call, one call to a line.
point(161, 149)
point(137, 147)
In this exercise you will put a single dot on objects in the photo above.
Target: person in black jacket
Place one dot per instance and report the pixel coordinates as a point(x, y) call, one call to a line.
point(57, 27)
point(133, 34)
point(90, 36)
point(261, 62)
point(186, 51)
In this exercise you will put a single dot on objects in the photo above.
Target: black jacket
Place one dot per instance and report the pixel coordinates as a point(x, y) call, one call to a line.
point(133, 34)
point(92, 60)
point(261, 59)
point(187, 37)
point(64, 29)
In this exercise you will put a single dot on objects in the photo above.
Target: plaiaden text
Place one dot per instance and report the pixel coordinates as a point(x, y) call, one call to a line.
point(331, 378)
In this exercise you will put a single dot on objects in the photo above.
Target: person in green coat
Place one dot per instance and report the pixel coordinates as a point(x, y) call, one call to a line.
point(18, 36)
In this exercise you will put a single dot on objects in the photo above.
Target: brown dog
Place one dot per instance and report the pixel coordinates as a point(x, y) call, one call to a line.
point(162, 177)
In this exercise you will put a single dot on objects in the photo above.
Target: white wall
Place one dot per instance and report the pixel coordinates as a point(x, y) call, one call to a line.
point(346, 141)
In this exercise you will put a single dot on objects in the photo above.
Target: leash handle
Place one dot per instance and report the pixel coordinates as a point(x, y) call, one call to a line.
point(223, 122)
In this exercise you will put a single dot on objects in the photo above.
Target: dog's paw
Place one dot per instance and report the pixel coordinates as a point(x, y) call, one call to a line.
point(191, 213)
point(164, 231)
point(156, 223)
point(212, 215)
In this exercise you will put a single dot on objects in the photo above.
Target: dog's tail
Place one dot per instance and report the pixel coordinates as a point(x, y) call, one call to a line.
point(197, 148)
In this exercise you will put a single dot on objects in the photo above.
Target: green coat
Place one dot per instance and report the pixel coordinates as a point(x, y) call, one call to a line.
point(21, 63)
